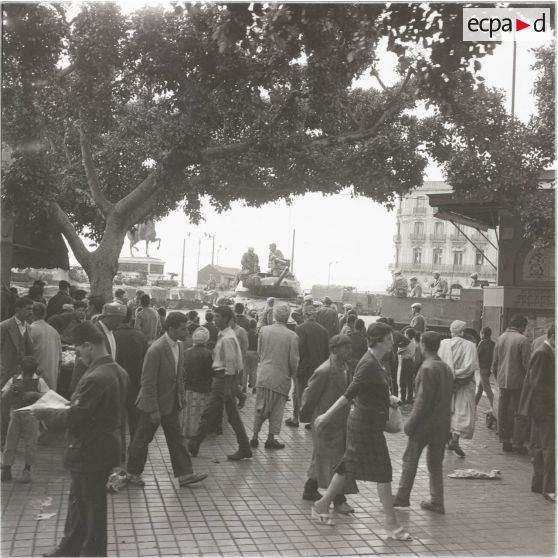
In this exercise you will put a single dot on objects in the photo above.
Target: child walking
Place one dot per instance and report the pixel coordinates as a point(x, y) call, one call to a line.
point(20, 391)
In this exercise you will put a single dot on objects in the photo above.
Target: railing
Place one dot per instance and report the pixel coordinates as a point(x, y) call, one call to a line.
point(476, 237)
point(419, 210)
point(457, 237)
point(484, 271)
point(438, 237)
point(417, 237)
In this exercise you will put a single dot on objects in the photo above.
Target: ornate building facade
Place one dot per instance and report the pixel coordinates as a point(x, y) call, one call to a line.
point(424, 244)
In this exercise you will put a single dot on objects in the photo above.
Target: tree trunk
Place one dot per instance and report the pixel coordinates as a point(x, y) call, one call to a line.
point(103, 264)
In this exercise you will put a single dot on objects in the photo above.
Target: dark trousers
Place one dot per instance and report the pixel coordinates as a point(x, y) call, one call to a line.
point(544, 456)
point(507, 409)
point(394, 386)
point(176, 442)
point(434, 461)
point(223, 394)
point(85, 530)
point(407, 380)
point(300, 384)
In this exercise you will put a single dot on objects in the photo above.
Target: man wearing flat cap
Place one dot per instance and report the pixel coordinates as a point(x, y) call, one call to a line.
point(418, 323)
point(398, 285)
point(327, 384)
point(111, 317)
point(93, 420)
point(416, 288)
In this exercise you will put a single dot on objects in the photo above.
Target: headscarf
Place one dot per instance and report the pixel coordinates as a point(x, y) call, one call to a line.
point(200, 336)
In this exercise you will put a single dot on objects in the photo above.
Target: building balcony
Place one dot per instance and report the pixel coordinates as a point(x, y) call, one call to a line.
point(448, 270)
point(457, 237)
point(419, 210)
point(479, 239)
point(417, 237)
point(438, 237)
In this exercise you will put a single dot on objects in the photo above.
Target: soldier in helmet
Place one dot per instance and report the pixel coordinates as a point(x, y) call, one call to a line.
point(250, 262)
point(418, 323)
point(399, 286)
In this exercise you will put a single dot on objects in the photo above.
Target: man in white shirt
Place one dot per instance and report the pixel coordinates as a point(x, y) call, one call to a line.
point(227, 363)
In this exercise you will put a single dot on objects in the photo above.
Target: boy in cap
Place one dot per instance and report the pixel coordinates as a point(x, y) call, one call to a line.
point(418, 323)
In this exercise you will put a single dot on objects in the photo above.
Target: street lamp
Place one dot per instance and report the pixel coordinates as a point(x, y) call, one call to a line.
point(329, 271)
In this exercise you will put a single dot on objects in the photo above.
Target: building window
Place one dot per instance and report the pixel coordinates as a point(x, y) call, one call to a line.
point(479, 257)
point(458, 257)
point(438, 228)
point(437, 256)
point(419, 228)
point(420, 201)
point(417, 255)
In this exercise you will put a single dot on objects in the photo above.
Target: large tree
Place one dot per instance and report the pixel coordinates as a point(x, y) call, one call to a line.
point(115, 118)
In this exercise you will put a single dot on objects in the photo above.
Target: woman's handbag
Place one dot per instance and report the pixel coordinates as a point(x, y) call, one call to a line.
point(395, 422)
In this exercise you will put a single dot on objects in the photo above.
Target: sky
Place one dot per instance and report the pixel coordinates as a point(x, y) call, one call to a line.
point(348, 239)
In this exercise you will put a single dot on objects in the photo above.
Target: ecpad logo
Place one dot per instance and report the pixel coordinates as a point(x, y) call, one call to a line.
point(506, 24)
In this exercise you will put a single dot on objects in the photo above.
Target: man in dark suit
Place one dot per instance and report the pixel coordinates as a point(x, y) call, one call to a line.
point(538, 401)
point(93, 420)
point(428, 425)
point(131, 345)
point(159, 401)
point(56, 303)
point(313, 350)
point(15, 343)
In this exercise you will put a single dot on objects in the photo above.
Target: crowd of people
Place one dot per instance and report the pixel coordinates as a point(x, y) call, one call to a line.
point(135, 369)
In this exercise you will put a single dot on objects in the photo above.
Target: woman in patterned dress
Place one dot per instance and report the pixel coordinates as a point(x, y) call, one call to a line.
point(367, 456)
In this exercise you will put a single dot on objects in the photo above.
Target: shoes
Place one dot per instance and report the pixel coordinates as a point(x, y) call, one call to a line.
point(57, 551)
point(400, 503)
point(344, 508)
point(240, 454)
point(551, 497)
point(311, 496)
point(398, 534)
point(308, 426)
point(507, 447)
point(26, 476)
point(274, 444)
point(436, 508)
point(6, 474)
point(322, 518)
point(185, 480)
point(254, 443)
point(292, 422)
point(193, 447)
point(135, 480)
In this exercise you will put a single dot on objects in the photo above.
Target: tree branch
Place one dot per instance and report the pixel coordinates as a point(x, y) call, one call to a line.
point(375, 73)
point(145, 192)
point(99, 198)
point(67, 229)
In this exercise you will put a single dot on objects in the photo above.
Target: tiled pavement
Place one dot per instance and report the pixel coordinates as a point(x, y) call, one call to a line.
point(254, 507)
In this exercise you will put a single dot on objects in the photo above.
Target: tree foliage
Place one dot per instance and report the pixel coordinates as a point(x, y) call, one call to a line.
point(114, 118)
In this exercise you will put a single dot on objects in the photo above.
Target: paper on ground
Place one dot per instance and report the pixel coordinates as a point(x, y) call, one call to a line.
point(50, 400)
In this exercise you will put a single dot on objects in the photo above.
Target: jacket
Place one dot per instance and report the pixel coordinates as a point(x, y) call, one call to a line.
point(131, 346)
point(538, 396)
point(431, 414)
point(511, 359)
point(13, 346)
point(313, 348)
point(328, 318)
point(278, 350)
point(162, 387)
point(56, 303)
point(96, 415)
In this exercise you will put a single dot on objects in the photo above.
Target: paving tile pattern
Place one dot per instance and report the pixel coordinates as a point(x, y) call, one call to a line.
point(254, 507)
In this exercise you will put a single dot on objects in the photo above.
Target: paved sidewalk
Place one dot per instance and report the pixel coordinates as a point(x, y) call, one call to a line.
point(254, 507)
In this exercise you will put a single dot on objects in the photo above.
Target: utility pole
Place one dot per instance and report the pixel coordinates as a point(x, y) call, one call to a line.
point(293, 251)
point(213, 249)
point(183, 253)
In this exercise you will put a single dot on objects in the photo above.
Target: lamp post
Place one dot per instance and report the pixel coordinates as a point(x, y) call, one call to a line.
point(329, 271)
